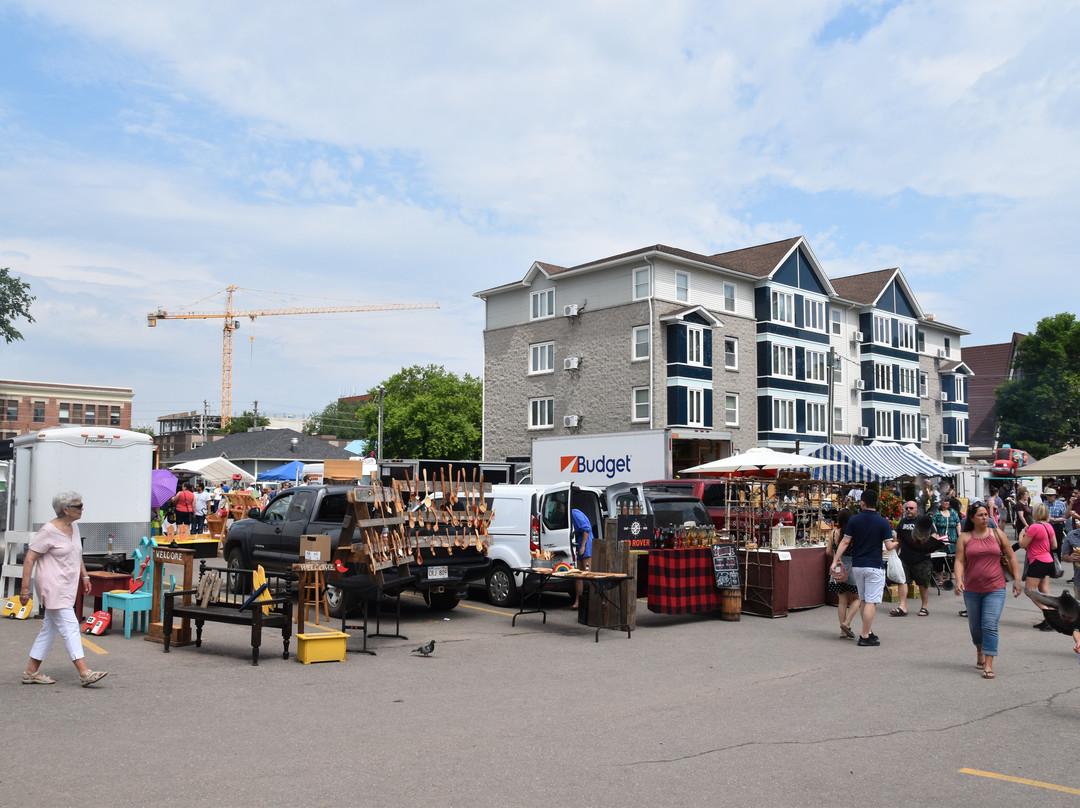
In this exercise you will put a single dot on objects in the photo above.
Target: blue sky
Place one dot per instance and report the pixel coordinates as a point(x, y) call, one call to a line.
point(153, 154)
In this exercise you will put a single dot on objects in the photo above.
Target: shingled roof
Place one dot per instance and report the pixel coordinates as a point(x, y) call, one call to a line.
point(268, 444)
point(865, 287)
point(759, 261)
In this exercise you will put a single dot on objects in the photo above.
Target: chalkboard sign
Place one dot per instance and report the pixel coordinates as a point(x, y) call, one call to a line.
point(637, 530)
point(726, 566)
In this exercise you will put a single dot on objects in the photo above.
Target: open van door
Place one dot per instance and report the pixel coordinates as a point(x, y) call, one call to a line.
point(554, 506)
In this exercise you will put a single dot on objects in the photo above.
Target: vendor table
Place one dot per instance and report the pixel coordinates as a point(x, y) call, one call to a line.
point(373, 588)
point(100, 583)
point(807, 574)
point(682, 581)
point(600, 584)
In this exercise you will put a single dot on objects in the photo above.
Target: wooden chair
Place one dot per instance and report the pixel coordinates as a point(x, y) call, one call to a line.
point(136, 605)
point(216, 525)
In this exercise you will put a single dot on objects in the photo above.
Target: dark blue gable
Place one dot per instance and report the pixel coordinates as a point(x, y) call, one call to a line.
point(798, 272)
point(894, 300)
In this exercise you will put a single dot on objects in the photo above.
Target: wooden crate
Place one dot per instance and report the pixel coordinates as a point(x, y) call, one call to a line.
point(322, 646)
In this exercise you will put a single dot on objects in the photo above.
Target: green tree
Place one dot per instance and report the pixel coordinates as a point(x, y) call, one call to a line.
point(1039, 411)
point(339, 418)
point(15, 300)
point(427, 412)
point(242, 423)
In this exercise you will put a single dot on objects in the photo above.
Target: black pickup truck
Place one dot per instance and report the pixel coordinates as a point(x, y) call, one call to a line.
point(272, 538)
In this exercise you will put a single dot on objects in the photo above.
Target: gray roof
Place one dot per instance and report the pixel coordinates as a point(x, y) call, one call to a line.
point(269, 444)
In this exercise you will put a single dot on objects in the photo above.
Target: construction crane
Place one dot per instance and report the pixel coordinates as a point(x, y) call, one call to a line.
point(232, 322)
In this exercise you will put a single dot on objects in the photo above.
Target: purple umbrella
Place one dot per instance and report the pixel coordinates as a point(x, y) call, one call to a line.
point(162, 487)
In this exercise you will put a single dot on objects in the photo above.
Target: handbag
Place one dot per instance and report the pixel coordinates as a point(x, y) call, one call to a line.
point(895, 569)
point(839, 572)
point(1059, 570)
point(1006, 567)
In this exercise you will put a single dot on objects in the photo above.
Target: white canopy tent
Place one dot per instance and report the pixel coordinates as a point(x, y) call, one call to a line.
point(216, 469)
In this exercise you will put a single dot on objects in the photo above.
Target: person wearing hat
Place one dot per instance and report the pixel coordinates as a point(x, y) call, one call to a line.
point(1058, 511)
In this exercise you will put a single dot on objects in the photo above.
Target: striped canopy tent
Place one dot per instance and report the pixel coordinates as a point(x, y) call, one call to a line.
point(933, 467)
point(858, 464)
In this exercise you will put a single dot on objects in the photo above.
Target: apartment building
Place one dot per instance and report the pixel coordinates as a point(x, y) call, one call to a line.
point(29, 406)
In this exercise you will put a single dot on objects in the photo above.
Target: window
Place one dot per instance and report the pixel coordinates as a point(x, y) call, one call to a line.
point(731, 353)
point(39, 412)
point(695, 340)
point(923, 384)
point(815, 366)
point(641, 344)
point(907, 335)
point(907, 425)
point(924, 427)
point(960, 389)
point(731, 409)
point(837, 419)
point(695, 406)
point(682, 286)
point(883, 420)
point(541, 413)
point(907, 381)
point(837, 370)
point(815, 418)
point(783, 414)
point(114, 416)
point(783, 307)
point(882, 330)
point(641, 404)
point(641, 283)
point(882, 377)
point(837, 321)
point(729, 297)
point(13, 410)
point(543, 304)
point(76, 414)
point(64, 414)
point(783, 360)
point(91, 413)
point(814, 314)
point(948, 346)
point(542, 357)
point(920, 341)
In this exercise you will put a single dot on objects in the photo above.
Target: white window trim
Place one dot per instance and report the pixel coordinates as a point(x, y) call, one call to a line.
point(634, 343)
point(819, 358)
point(695, 400)
point(734, 301)
point(959, 389)
point(924, 428)
point(788, 307)
point(695, 346)
point(836, 321)
point(634, 417)
point(838, 427)
point(883, 372)
point(679, 275)
point(924, 385)
point(909, 419)
point(878, 420)
point(909, 329)
point(886, 326)
point(634, 283)
point(735, 353)
point(546, 293)
point(532, 403)
point(838, 370)
point(823, 410)
point(789, 405)
point(533, 350)
point(790, 351)
point(736, 397)
point(911, 375)
point(809, 302)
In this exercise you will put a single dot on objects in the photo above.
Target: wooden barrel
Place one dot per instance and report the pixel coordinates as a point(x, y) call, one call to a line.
point(730, 604)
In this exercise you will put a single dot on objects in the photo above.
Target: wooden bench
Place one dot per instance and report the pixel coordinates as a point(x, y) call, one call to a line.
point(231, 605)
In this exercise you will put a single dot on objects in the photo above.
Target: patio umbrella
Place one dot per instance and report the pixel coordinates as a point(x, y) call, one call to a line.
point(757, 460)
point(162, 487)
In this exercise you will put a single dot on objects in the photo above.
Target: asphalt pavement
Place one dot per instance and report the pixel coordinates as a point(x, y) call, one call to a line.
point(690, 711)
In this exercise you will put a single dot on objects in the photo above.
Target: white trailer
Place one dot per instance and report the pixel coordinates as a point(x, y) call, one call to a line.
point(602, 459)
point(110, 468)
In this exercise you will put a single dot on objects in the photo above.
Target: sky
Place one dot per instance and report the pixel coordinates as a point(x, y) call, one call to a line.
point(354, 153)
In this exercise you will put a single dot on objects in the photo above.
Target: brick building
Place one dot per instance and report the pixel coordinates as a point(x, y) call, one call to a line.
point(28, 406)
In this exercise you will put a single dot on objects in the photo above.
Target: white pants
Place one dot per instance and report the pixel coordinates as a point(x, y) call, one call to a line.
point(64, 623)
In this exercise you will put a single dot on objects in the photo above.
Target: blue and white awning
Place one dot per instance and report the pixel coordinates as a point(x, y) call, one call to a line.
point(877, 462)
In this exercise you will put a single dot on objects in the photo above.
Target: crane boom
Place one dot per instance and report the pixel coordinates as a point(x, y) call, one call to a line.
point(231, 323)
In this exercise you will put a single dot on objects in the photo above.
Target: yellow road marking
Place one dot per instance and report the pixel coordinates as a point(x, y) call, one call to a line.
point(97, 649)
point(1021, 780)
point(482, 609)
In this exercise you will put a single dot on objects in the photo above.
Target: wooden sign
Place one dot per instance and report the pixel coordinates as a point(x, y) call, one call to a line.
point(726, 566)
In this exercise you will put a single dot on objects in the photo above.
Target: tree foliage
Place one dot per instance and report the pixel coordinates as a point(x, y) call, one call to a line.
point(338, 418)
point(1040, 410)
point(15, 300)
point(427, 412)
point(242, 423)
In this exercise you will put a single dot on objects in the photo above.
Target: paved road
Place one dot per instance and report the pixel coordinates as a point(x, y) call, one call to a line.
point(691, 711)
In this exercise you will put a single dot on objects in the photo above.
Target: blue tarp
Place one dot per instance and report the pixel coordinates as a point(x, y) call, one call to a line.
point(290, 471)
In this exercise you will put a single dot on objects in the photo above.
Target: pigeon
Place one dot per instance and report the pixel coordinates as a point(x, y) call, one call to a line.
point(425, 649)
point(1064, 614)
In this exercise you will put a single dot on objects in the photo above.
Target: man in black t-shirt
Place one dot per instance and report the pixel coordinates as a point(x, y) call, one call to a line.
point(917, 565)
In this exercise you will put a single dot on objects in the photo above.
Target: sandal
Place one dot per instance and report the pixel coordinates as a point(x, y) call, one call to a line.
point(988, 674)
point(38, 678)
point(923, 612)
point(92, 676)
point(898, 612)
point(847, 631)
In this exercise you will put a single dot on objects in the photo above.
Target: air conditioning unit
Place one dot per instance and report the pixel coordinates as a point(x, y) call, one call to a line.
point(860, 384)
point(571, 363)
point(856, 336)
point(864, 432)
point(570, 421)
point(941, 353)
point(944, 395)
point(570, 310)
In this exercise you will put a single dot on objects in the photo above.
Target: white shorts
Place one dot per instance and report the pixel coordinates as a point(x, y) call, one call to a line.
point(870, 581)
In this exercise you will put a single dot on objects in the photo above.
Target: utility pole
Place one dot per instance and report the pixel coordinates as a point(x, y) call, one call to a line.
point(830, 371)
point(255, 418)
point(205, 418)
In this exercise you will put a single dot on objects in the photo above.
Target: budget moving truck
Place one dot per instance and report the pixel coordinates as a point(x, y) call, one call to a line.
point(110, 468)
point(603, 459)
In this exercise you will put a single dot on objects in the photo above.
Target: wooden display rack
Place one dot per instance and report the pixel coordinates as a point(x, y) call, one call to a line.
point(170, 555)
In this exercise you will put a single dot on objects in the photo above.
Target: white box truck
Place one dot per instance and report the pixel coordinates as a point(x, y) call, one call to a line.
point(111, 469)
point(603, 459)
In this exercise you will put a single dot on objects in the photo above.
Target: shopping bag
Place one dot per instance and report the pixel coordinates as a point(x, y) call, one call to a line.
point(895, 568)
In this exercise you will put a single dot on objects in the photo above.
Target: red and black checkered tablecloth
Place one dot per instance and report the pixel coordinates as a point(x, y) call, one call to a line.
point(682, 581)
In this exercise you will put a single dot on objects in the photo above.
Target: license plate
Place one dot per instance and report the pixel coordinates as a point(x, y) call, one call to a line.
point(437, 573)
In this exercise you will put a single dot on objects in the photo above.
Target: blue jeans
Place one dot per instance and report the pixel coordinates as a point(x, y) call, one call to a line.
point(984, 612)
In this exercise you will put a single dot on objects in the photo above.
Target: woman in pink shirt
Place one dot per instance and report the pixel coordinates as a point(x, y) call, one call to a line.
point(1038, 540)
point(56, 555)
point(980, 579)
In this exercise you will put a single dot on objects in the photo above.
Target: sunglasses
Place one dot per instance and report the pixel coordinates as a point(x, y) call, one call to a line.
point(79, 506)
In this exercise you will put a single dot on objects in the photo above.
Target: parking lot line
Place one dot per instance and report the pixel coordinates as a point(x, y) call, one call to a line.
point(1021, 780)
point(97, 649)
